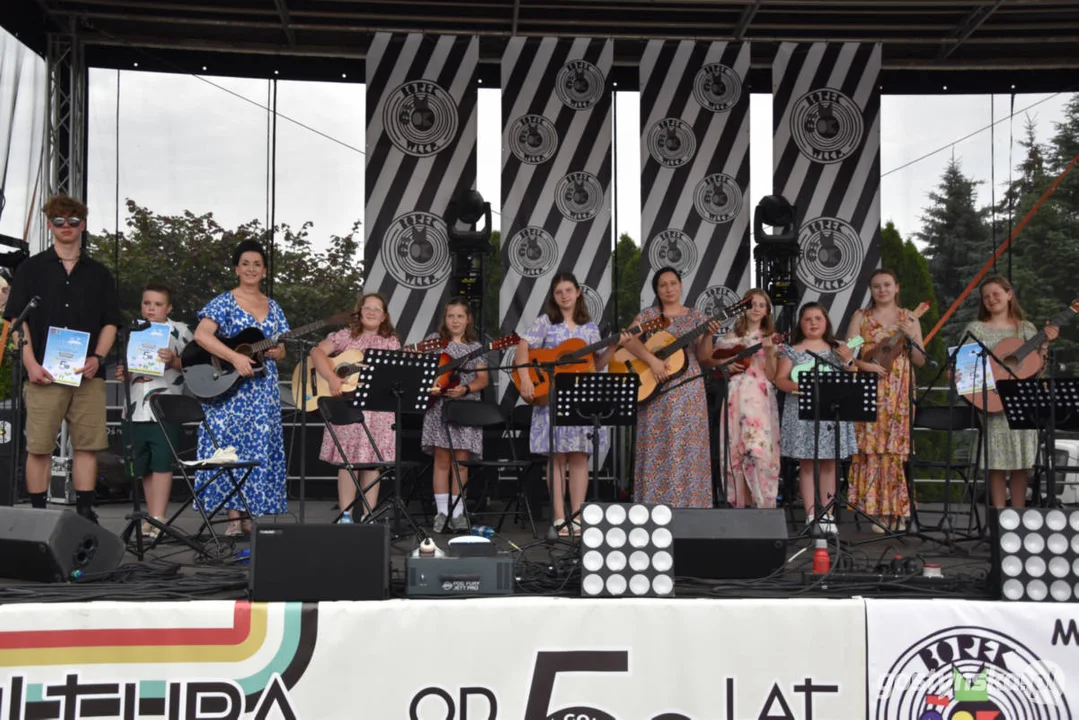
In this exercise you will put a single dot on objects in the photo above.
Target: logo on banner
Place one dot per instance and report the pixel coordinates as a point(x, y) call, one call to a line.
point(717, 198)
point(420, 118)
point(416, 250)
point(533, 139)
point(593, 302)
point(532, 252)
point(672, 247)
point(971, 673)
point(714, 299)
point(579, 196)
point(831, 254)
point(717, 87)
point(579, 84)
point(671, 142)
point(826, 125)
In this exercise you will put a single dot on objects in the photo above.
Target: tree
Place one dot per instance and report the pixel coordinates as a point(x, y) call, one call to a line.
point(627, 264)
point(492, 282)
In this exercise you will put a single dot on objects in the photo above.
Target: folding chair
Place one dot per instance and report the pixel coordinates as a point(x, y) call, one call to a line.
point(959, 421)
point(468, 413)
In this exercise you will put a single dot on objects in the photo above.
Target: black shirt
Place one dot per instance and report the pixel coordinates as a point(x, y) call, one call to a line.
point(84, 300)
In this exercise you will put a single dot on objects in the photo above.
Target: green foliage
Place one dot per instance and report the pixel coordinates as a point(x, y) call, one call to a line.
point(627, 261)
point(492, 283)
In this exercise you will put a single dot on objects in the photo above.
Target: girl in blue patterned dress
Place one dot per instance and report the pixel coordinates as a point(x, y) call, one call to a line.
point(565, 317)
point(249, 418)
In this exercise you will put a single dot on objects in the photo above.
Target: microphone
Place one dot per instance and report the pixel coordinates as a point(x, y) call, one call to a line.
point(25, 313)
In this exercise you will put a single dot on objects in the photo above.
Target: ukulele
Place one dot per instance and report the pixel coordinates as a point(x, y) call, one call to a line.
point(854, 343)
point(572, 350)
point(345, 366)
point(669, 349)
point(448, 378)
point(886, 351)
point(747, 353)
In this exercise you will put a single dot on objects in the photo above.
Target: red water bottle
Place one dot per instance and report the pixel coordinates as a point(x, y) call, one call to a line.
point(822, 563)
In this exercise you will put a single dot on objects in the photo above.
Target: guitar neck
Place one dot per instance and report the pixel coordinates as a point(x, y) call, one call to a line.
point(600, 344)
point(690, 336)
point(458, 362)
point(302, 330)
point(1040, 337)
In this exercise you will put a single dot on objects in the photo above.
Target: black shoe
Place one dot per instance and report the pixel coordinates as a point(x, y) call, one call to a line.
point(88, 514)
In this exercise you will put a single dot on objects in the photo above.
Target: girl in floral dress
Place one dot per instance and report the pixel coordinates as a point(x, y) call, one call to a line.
point(371, 328)
point(752, 417)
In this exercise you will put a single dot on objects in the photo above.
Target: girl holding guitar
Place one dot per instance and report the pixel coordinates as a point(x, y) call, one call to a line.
point(813, 334)
point(877, 477)
point(371, 328)
point(565, 317)
point(1011, 452)
point(752, 411)
point(248, 419)
point(461, 339)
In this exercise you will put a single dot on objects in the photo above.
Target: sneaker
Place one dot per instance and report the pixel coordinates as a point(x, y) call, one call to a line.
point(828, 526)
point(88, 514)
point(459, 523)
point(345, 519)
point(439, 523)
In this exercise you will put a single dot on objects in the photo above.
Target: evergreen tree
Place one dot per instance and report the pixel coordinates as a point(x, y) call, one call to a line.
point(915, 286)
point(627, 301)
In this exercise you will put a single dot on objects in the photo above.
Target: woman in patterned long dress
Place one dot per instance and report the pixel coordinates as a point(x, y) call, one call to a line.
point(752, 411)
point(461, 338)
point(672, 455)
point(813, 334)
point(878, 482)
point(249, 418)
point(371, 329)
point(1011, 452)
point(565, 316)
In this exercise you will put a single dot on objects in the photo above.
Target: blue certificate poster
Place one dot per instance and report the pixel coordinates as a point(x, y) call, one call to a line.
point(142, 348)
point(968, 370)
point(65, 352)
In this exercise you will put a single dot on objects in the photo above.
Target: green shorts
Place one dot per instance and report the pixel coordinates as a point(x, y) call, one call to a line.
point(150, 448)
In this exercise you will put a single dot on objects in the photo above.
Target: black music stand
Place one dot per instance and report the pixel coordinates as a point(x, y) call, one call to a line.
point(840, 397)
point(399, 382)
point(1042, 404)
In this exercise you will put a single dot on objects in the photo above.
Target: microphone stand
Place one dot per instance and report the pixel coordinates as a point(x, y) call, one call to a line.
point(17, 400)
point(301, 407)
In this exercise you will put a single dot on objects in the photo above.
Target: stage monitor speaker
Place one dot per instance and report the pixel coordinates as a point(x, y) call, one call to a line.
point(54, 546)
point(728, 544)
point(313, 563)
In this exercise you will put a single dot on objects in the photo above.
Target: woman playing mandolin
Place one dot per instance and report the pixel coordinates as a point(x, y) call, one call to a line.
point(248, 419)
point(877, 477)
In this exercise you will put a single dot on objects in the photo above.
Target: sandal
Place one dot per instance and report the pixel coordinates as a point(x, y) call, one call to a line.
point(234, 529)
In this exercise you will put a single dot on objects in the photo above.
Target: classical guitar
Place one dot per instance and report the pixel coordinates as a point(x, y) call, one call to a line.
point(1020, 357)
point(669, 349)
point(746, 353)
point(448, 377)
point(345, 366)
point(578, 355)
point(885, 351)
point(854, 343)
point(208, 377)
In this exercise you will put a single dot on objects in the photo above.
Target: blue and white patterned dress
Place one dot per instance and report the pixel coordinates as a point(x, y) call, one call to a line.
point(545, 334)
point(248, 419)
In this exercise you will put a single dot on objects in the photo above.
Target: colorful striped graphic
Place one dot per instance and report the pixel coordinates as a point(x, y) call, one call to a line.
point(556, 175)
point(827, 163)
point(421, 140)
point(695, 206)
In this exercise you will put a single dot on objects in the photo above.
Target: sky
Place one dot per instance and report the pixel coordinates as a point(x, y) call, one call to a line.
point(201, 143)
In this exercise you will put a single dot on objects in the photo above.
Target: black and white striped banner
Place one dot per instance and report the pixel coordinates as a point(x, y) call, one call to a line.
point(826, 152)
point(556, 173)
point(695, 169)
point(421, 149)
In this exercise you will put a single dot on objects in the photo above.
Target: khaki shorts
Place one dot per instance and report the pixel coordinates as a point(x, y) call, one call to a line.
point(84, 408)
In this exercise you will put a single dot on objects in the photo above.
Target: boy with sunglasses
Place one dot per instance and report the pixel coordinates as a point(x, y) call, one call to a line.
point(78, 293)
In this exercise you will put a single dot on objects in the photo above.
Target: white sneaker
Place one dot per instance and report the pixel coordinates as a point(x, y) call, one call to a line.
point(828, 525)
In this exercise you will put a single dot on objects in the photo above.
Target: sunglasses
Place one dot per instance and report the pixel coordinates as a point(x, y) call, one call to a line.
point(69, 222)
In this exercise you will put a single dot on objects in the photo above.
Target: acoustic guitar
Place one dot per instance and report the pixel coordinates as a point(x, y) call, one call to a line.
point(854, 343)
point(669, 349)
point(208, 377)
point(576, 355)
point(345, 366)
point(448, 377)
point(886, 351)
point(746, 353)
point(1020, 357)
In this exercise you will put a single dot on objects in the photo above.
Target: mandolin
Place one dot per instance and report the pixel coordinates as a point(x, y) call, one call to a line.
point(746, 353)
point(448, 377)
point(669, 349)
point(578, 355)
point(854, 343)
point(884, 352)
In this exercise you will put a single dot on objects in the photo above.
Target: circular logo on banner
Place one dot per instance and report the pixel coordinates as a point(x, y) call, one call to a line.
point(579, 84)
point(416, 250)
point(717, 87)
point(593, 302)
point(533, 139)
point(671, 142)
point(967, 673)
point(831, 254)
point(717, 198)
point(420, 118)
point(714, 299)
point(532, 252)
point(579, 196)
point(672, 247)
point(826, 125)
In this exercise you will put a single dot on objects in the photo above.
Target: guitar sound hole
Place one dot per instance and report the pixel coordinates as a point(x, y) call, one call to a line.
point(1011, 363)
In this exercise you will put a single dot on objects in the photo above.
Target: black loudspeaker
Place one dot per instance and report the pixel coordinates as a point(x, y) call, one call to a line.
point(312, 563)
point(54, 546)
point(728, 544)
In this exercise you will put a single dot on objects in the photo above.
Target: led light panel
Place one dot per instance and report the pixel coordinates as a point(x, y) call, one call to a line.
point(1036, 554)
point(626, 551)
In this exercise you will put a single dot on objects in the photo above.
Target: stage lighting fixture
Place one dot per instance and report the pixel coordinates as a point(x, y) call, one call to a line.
point(1036, 554)
point(626, 551)
point(466, 208)
point(777, 251)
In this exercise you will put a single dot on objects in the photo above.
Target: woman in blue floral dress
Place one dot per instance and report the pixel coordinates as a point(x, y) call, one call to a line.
point(249, 418)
